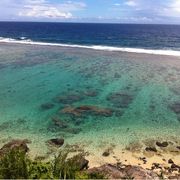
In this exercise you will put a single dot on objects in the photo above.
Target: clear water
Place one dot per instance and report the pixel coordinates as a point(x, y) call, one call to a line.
point(139, 90)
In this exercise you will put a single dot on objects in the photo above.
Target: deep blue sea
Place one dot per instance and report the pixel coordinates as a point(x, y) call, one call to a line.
point(116, 35)
point(101, 87)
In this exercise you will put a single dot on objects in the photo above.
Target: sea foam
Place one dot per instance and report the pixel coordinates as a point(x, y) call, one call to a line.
point(95, 47)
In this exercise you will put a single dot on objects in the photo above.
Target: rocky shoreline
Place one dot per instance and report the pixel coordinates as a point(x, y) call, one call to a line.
point(117, 170)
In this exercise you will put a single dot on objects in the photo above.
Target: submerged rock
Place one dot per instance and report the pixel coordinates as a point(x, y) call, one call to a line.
point(73, 130)
point(59, 123)
point(56, 142)
point(85, 109)
point(91, 93)
point(69, 99)
point(120, 99)
point(175, 107)
point(116, 75)
point(5, 125)
point(56, 124)
point(47, 106)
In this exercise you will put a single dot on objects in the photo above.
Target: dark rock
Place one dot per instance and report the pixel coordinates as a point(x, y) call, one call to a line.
point(139, 173)
point(128, 172)
point(56, 142)
point(47, 106)
point(106, 153)
point(174, 166)
point(156, 165)
point(21, 144)
point(143, 159)
point(178, 147)
point(151, 149)
point(170, 161)
point(82, 163)
point(163, 144)
point(108, 171)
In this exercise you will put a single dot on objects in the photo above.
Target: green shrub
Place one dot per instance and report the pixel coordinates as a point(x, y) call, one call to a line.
point(14, 165)
point(66, 168)
point(40, 170)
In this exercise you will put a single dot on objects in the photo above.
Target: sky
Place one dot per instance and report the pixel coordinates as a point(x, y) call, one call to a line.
point(105, 11)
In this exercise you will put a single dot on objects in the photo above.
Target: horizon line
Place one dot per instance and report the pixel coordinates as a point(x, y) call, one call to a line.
point(76, 22)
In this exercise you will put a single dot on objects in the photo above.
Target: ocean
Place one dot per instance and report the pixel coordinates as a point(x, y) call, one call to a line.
point(98, 86)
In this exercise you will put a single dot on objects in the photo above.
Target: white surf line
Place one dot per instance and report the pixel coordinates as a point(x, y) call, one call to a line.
point(95, 47)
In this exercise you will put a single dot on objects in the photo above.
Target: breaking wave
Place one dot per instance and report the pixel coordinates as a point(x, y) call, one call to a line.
point(95, 47)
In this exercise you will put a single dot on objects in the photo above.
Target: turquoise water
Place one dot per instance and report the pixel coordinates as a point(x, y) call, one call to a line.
point(129, 96)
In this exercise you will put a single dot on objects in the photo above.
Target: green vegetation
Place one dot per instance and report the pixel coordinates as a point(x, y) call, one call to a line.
point(15, 164)
point(68, 168)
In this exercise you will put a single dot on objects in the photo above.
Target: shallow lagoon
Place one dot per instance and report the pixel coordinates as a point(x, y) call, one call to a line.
point(93, 99)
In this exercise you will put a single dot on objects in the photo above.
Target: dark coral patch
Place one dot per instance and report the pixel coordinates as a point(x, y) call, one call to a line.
point(120, 99)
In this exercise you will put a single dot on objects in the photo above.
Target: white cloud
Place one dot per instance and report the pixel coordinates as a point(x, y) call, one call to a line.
point(45, 9)
point(40, 9)
point(131, 3)
point(117, 4)
point(172, 9)
point(44, 12)
point(176, 6)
